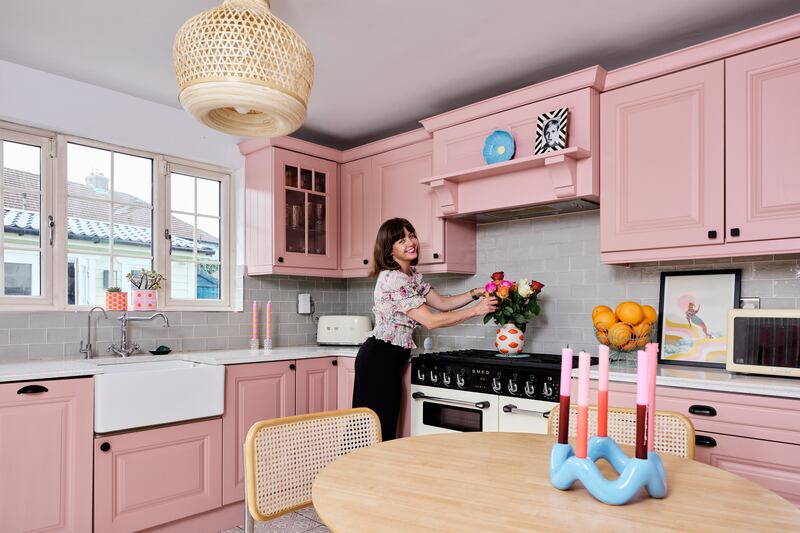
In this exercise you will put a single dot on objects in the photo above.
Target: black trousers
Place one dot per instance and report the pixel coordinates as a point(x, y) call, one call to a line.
point(378, 381)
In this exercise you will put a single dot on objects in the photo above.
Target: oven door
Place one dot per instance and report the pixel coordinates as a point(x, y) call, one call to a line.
point(435, 410)
point(522, 415)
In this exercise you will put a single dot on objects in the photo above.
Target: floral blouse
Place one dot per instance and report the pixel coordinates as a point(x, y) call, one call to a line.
point(395, 294)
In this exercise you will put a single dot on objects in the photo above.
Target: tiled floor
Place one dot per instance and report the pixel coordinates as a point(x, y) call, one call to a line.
point(302, 521)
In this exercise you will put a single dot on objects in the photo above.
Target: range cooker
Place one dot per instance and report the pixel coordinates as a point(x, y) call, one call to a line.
point(475, 390)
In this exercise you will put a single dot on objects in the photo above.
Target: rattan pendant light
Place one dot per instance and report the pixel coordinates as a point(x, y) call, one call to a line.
point(242, 70)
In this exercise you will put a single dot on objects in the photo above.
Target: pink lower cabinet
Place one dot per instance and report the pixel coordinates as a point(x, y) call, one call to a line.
point(151, 477)
point(253, 392)
point(345, 379)
point(316, 385)
point(46, 455)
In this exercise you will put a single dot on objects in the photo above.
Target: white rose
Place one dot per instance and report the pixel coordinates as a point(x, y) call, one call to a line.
point(524, 288)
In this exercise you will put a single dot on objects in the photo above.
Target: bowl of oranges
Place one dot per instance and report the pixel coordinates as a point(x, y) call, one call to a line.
point(625, 329)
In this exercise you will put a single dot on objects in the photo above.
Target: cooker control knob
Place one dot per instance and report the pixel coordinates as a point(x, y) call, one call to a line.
point(460, 380)
point(547, 390)
point(446, 379)
point(512, 386)
point(529, 390)
point(421, 375)
point(434, 377)
point(496, 385)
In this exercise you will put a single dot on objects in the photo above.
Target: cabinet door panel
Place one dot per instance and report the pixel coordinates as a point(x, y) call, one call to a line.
point(147, 478)
point(253, 392)
point(762, 139)
point(662, 161)
point(345, 379)
point(46, 456)
point(360, 214)
point(316, 385)
point(397, 173)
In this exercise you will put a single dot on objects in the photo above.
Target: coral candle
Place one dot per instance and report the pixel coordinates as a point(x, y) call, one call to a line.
point(269, 319)
point(566, 382)
point(255, 320)
point(582, 438)
point(642, 396)
point(652, 361)
point(602, 392)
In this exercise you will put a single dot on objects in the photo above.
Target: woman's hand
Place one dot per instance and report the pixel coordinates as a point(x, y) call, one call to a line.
point(486, 305)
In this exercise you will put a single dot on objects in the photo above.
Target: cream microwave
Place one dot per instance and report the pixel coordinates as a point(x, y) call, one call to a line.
point(764, 341)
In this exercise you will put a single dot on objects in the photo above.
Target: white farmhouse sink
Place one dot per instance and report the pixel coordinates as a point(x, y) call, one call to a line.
point(136, 394)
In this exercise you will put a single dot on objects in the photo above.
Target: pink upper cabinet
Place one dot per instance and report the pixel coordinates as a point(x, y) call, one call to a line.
point(763, 140)
point(360, 216)
point(662, 162)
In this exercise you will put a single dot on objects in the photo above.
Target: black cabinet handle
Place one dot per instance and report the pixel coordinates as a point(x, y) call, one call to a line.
point(712, 234)
point(734, 232)
point(280, 260)
point(334, 362)
point(435, 255)
point(703, 410)
point(366, 261)
point(32, 389)
point(703, 440)
point(292, 366)
point(105, 446)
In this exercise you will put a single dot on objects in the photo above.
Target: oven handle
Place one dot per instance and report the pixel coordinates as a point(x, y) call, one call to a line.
point(423, 396)
point(511, 408)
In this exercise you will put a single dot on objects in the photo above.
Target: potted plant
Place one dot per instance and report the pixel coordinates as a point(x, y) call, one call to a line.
point(145, 285)
point(116, 300)
point(517, 304)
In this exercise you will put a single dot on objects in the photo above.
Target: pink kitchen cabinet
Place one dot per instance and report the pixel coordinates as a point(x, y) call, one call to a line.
point(662, 164)
point(345, 378)
point(316, 385)
point(292, 212)
point(253, 392)
point(46, 455)
point(151, 477)
point(762, 139)
point(360, 216)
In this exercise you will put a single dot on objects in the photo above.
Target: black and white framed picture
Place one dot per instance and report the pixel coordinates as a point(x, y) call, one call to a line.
point(551, 131)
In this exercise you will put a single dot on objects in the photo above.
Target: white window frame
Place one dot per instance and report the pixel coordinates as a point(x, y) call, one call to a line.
point(46, 142)
point(227, 257)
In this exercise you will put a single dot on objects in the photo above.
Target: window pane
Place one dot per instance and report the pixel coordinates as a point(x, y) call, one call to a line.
point(305, 179)
point(290, 176)
point(133, 230)
point(319, 181)
point(207, 197)
point(88, 171)
point(208, 238)
point(316, 224)
point(21, 165)
point(182, 229)
point(208, 281)
point(295, 221)
point(182, 281)
point(133, 179)
point(22, 273)
point(88, 225)
point(128, 265)
point(182, 193)
point(88, 277)
point(21, 219)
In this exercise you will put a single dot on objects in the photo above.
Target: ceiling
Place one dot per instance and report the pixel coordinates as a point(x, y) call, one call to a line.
point(381, 65)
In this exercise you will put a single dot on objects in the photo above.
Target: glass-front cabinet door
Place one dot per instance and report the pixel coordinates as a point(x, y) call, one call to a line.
point(305, 211)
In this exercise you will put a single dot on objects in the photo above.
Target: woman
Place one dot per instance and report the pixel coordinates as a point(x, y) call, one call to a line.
point(402, 300)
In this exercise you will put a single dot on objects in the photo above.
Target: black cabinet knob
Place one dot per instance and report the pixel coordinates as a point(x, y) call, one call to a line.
point(734, 232)
point(32, 389)
point(334, 362)
point(105, 446)
point(435, 255)
point(280, 260)
point(704, 440)
point(712, 234)
point(292, 366)
point(366, 261)
point(702, 410)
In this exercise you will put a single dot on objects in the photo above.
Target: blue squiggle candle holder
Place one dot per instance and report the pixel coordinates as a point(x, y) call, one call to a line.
point(634, 473)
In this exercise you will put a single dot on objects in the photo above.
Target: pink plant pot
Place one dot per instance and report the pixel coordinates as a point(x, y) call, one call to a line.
point(116, 301)
point(144, 300)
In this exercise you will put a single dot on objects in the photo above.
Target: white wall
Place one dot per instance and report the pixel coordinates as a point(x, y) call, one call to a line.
point(35, 98)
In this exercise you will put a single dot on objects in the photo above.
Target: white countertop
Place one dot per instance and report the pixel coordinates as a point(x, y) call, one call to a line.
point(35, 370)
point(711, 379)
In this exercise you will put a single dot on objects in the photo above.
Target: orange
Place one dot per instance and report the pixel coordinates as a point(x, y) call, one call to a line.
point(641, 332)
point(600, 308)
point(630, 312)
point(630, 345)
point(619, 334)
point(650, 313)
point(602, 336)
point(604, 320)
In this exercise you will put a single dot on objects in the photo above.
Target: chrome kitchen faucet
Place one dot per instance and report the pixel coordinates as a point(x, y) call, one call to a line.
point(123, 350)
point(87, 350)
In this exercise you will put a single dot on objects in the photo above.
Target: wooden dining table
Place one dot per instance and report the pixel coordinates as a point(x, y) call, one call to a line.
point(500, 482)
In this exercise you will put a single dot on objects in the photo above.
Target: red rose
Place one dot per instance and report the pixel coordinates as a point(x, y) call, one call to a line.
point(498, 276)
point(536, 287)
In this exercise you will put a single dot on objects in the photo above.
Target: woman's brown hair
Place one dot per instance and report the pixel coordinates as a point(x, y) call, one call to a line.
point(389, 233)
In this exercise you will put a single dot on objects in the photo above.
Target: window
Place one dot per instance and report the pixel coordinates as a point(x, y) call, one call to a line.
point(24, 270)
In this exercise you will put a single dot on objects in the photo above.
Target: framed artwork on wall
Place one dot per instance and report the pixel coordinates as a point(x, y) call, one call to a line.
point(551, 131)
point(692, 315)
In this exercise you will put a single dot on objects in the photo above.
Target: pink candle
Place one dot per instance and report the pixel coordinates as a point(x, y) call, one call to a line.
point(652, 361)
point(582, 438)
point(642, 396)
point(255, 319)
point(566, 383)
point(602, 392)
point(269, 320)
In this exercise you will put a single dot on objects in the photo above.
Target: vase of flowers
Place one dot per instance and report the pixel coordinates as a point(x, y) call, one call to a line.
point(517, 304)
point(145, 285)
